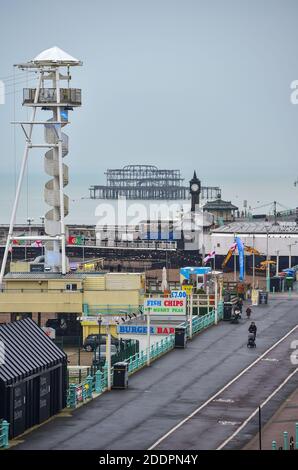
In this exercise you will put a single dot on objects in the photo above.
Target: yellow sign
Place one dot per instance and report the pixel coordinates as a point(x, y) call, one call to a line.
point(254, 297)
point(187, 289)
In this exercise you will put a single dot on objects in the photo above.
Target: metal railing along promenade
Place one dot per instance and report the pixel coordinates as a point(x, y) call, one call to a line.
point(98, 382)
point(95, 384)
point(4, 434)
point(288, 443)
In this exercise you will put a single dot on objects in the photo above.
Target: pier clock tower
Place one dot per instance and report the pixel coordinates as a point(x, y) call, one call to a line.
point(195, 191)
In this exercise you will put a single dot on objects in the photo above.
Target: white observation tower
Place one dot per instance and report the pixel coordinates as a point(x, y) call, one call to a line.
point(52, 94)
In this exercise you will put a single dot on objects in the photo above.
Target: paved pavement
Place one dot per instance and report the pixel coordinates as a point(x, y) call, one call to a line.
point(161, 396)
point(283, 420)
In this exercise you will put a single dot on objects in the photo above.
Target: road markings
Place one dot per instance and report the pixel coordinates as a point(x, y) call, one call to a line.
point(171, 431)
point(229, 423)
point(224, 400)
point(257, 410)
point(270, 359)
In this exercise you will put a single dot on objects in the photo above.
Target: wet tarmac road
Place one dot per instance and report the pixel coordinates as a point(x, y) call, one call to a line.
point(220, 418)
point(160, 397)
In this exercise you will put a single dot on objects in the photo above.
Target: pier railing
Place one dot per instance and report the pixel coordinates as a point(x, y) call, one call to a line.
point(97, 383)
point(288, 443)
point(4, 434)
point(71, 96)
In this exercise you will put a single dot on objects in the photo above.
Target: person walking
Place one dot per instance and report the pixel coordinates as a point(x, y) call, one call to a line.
point(248, 312)
point(239, 304)
point(253, 329)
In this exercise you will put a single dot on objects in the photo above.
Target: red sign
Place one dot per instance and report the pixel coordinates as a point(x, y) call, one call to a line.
point(165, 330)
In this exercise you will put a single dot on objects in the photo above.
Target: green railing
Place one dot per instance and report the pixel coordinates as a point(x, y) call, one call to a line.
point(98, 382)
point(199, 323)
point(137, 361)
point(4, 434)
point(288, 444)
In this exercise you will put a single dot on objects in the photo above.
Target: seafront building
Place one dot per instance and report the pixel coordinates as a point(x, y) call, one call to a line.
point(44, 296)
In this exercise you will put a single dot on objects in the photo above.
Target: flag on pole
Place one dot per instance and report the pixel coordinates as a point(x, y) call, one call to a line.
point(209, 256)
point(240, 247)
point(230, 252)
point(75, 240)
point(19, 242)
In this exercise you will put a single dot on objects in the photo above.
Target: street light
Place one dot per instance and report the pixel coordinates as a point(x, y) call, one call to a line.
point(29, 222)
point(99, 337)
point(235, 265)
point(96, 360)
point(267, 227)
point(148, 337)
point(108, 353)
point(253, 262)
point(277, 262)
point(290, 253)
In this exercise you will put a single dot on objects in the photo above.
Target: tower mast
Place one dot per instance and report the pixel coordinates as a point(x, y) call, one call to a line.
point(49, 66)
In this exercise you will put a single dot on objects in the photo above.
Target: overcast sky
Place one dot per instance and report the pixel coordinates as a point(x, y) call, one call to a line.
point(189, 84)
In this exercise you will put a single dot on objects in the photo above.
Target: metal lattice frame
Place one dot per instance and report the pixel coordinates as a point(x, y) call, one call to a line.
point(54, 99)
point(146, 182)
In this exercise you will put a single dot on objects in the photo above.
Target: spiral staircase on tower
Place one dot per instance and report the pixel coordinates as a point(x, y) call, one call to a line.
point(52, 191)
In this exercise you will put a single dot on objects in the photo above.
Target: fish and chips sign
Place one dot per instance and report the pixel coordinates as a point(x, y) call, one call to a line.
point(165, 306)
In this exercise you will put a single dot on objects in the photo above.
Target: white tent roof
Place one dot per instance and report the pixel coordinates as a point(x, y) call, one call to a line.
point(55, 55)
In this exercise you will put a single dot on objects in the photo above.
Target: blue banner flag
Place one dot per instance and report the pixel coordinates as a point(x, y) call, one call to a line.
point(240, 247)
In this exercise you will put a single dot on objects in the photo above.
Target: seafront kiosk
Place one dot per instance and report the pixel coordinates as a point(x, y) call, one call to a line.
point(204, 288)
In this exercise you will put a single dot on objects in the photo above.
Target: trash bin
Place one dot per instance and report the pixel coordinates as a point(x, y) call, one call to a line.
point(227, 313)
point(275, 284)
point(263, 298)
point(120, 378)
point(180, 337)
point(289, 283)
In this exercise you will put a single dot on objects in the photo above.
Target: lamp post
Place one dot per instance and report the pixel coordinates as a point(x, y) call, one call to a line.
point(215, 301)
point(148, 337)
point(190, 303)
point(108, 354)
point(290, 256)
point(99, 337)
point(235, 265)
point(29, 222)
point(267, 258)
point(277, 262)
point(253, 262)
point(290, 253)
point(42, 223)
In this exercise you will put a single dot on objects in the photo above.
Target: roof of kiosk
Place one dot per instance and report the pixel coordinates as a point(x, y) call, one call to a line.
point(57, 56)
